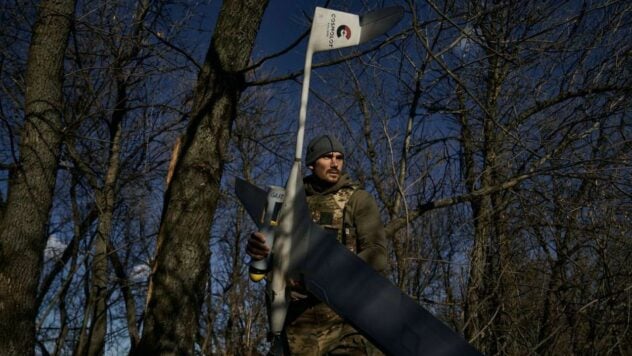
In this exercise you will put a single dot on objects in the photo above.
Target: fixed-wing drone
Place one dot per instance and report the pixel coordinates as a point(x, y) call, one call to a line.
point(301, 249)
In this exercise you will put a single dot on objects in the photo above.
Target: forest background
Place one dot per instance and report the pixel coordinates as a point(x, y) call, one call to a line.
point(495, 136)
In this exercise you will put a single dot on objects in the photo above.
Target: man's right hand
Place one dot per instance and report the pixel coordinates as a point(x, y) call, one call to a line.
point(256, 247)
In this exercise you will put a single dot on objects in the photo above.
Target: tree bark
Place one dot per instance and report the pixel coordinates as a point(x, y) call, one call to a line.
point(182, 258)
point(24, 225)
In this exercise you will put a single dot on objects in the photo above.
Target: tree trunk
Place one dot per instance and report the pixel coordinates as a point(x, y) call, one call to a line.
point(483, 307)
point(182, 258)
point(23, 227)
point(105, 201)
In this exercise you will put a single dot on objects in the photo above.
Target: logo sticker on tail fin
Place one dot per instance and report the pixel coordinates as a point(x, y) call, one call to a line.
point(343, 31)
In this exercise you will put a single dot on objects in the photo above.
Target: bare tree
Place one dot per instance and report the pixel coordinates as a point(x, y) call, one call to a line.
point(23, 227)
point(114, 153)
point(181, 265)
point(92, 342)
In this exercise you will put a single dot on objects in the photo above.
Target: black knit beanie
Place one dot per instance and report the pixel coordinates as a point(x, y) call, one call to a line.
point(322, 145)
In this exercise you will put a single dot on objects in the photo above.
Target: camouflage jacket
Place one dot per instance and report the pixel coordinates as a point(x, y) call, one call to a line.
point(353, 214)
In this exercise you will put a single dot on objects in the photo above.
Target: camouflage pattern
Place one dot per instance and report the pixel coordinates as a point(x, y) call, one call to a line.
point(328, 212)
point(313, 328)
point(320, 331)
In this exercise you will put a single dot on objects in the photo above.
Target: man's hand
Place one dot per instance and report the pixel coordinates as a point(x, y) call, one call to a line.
point(256, 247)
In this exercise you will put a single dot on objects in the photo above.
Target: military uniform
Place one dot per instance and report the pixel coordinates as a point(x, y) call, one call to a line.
point(313, 328)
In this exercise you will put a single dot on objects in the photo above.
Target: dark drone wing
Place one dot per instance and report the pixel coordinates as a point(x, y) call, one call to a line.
point(252, 198)
point(371, 303)
point(379, 310)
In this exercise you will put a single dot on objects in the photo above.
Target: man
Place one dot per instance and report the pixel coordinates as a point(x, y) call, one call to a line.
point(336, 203)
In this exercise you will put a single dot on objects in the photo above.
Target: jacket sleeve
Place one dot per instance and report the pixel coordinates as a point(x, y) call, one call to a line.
point(370, 235)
